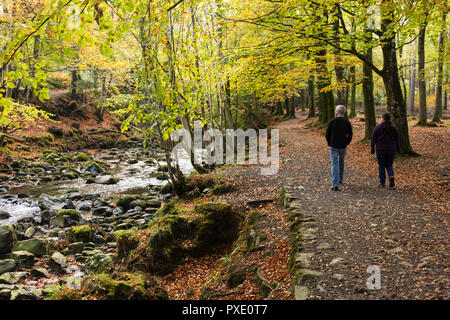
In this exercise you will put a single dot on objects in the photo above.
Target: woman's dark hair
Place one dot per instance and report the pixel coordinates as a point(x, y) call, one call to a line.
point(387, 123)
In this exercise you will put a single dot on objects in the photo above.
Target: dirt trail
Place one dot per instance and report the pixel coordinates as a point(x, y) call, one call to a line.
point(401, 233)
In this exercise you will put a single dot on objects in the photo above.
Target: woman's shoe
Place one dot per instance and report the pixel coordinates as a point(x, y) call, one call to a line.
point(391, 182)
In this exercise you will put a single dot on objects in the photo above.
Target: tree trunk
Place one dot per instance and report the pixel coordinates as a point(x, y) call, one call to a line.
point(292, 108)
point(311, 112)
point(287, 107)
point(73, 84)
point(402, 73)
point(353, 92)
point(210, 105)
point(338, 68)
point(95, 76)
point(103, 86)
point(444, 102)
point(303, 99)
point(219, 107)
point(279, 108)
point(227, 106)
point(326, 105)
point(441, 50)
point(412, 86)
point(36, 46)
point(421, 74)
point(8, 93)
point(369, 103)
point(395, 102)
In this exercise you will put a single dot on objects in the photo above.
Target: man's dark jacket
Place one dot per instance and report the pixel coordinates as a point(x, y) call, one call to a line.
point(339, 133)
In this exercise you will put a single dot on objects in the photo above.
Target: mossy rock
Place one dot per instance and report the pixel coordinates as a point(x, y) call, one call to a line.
point(206, 292)
point(69, 213)
point(65, 217)
point(46, 152)
point(265, 288)
point(167, 188)
point(218, 225)
point(99, 263)
point(162, 250)
point(7, 238)
point(36, 246)
point(95, 166)
point(81, 233)
point(125, 286)
point(4, 215)
point(106, 180)
point(69, 176)
point(47, 137)
point(53, 158)
point(235, 276)
point(179, 227)
point(83, 157)
point(200, 183)
point(170, 238)
point(24, 259)
point(222, 188)
point(214, 210)
point(127, 240)
point(123, 226)
point(90, 180)
point(138, 203)
point(168, 208)
point(125, 201)
point(69, 167)
point(161, 176)
point(164, 168)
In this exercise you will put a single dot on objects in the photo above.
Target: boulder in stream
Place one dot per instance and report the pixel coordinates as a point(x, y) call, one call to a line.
point(35, 246)
point(24, 259)
point(108, 179)
point(4, 215)
point(47, 202)
point(58, 262)
point(7, 237)
point(7, 265)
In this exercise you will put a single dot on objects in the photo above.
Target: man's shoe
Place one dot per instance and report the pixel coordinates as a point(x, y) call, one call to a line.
point(381, 185)
point(391, 182)
point(335, 188)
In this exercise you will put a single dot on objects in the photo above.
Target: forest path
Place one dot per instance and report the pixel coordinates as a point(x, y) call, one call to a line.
point(363, 226)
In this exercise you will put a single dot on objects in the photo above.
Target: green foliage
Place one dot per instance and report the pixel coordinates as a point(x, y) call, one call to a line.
point(14, 117)
point(225, 63)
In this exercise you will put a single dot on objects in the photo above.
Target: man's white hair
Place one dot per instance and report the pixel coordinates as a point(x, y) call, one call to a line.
point(341, 109)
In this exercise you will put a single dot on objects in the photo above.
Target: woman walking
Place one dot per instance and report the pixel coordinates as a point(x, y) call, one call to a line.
point(385, 139)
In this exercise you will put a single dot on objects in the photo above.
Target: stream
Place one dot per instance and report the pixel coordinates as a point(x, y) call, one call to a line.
point(133, 168)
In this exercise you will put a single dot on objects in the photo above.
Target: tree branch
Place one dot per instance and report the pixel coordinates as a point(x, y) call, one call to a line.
point(175, 5)
point(31, 34)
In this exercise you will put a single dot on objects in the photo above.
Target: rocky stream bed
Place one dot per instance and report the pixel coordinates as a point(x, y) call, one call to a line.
point(60, 214)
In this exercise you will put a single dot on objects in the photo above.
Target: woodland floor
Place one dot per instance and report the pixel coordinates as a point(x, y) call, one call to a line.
point(404, 231)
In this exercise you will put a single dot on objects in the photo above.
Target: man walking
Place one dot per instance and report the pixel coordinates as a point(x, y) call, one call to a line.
point(339, 135)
